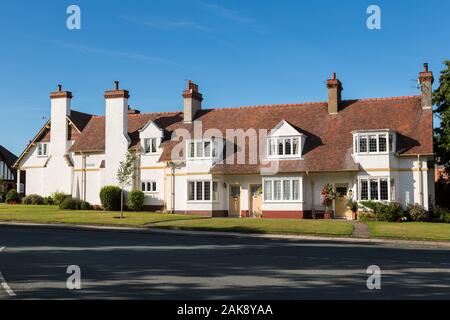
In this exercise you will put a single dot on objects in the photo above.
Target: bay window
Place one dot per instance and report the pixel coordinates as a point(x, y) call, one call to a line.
point(373, 142)
point(281, 189)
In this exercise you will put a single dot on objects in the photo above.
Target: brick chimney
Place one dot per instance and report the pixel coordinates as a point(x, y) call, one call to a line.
point(334, 94)
point(116, 131)
point(192, 101)
point(426, 80)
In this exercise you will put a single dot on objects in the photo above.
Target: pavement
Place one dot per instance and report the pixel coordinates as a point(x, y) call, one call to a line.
point(153, 265)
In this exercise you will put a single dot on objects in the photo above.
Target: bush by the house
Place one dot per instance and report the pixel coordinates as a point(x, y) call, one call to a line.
point(59, 197)
point(136, 200)
point(85, 206)
point(391, 211)
point(70, 203)
point(418, 213)
point(110, 198)
point(33, 199)
point(2, 197)
point(48, 201)
point(12, 197)
point(443, 214)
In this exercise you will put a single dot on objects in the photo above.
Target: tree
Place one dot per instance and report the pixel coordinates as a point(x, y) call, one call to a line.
point(441, 98)
point(125, 176)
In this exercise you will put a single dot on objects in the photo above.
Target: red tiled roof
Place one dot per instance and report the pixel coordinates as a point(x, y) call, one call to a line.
point(328, 143)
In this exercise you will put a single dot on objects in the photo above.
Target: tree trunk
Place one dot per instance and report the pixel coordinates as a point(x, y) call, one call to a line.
point(121, 205)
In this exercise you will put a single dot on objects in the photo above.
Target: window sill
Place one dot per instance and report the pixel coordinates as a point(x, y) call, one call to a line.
point(282, 201)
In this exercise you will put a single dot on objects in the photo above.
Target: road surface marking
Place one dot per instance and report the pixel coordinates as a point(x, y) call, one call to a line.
point(6, 286)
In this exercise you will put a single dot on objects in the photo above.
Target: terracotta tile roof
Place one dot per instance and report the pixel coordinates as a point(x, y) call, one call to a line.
point(328, 145)
point(93, 136)
point(7, 156)
point(80, 119)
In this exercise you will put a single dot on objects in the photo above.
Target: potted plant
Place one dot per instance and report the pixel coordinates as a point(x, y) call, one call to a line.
point(353, 207)
point(326, 198)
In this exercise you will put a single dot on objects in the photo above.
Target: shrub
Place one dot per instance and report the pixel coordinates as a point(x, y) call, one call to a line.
point(418, 213)
point(443, 214)
point(70, 203)
point(59, 197)
point(392, 211)
point(85, 205)
point(48, 201)
point(12, 197)
point(33, 199)
point(136, 200)
point(110, 198)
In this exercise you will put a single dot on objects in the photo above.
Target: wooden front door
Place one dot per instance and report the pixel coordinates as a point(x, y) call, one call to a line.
point(256, 201)
point(234, 201)
point(341, 208)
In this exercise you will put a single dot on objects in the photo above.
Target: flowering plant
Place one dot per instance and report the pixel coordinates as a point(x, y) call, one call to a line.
point(327, 196)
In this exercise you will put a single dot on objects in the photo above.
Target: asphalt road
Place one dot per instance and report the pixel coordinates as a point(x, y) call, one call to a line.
point(34, 262)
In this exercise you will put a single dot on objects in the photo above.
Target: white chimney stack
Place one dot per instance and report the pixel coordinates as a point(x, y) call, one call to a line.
point(116, 131)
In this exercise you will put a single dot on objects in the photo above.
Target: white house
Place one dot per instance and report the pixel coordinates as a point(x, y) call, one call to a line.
point(271, 160)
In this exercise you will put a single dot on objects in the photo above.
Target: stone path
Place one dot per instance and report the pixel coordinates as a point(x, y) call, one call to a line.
point(361, 230)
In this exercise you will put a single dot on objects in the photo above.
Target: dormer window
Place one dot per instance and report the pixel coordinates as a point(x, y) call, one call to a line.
point(285, 141)
point(284, 146)
point(373, 142)
point(151, 145)
point(42, 149)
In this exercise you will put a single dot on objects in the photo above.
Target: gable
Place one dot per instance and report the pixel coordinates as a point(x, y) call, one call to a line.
point(284, 129)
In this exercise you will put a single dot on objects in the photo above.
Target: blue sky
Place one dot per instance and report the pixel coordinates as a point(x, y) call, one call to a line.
point(239, 52)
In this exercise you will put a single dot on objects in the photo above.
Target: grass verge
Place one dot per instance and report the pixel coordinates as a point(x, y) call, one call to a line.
point(410, 230)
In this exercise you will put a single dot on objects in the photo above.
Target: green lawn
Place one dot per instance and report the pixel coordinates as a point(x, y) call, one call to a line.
point(51, 214)
point(275, 226)
point(410, 230)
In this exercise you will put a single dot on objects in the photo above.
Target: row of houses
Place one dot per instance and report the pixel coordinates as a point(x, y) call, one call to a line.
point(268, 160)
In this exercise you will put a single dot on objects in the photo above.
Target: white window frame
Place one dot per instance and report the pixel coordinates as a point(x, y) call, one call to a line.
point(157, 144)
point(213, 149)
point(153, 184)
point(390, 190)
point(42, 154)
point(291, 186)
point(388, 134)
point(214, 196)
point(284, 155)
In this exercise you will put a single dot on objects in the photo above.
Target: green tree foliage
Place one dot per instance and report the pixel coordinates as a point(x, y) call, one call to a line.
point(441, 98)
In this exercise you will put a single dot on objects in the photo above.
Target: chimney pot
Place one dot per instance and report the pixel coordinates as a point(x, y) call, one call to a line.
point(192, 101)
point(425, 67)
point(116, 85)
point(59, 87)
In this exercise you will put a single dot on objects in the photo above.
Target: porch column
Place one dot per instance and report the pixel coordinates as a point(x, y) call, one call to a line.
point(244, 205)
point(18, 181)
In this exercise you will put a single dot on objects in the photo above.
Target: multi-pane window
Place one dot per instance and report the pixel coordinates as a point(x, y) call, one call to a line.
point(202, 149)
point(284, 146)
point(384, 189)
point(363, 144)
point(374, 143)
point(151, 145)
point(382, 143)
point(268, 190)
point(202, 191)
point(376, 189)
point(281, 189)
point(148, 186)
point(364, 190)
point(42, 149)
point(373, 189)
